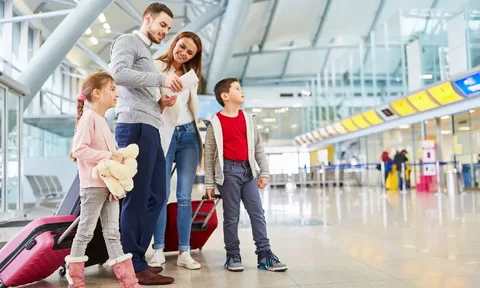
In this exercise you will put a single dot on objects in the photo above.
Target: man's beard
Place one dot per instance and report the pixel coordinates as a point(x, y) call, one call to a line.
point(152, 38)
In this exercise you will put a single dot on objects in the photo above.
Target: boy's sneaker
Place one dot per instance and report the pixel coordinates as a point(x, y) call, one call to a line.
point(234, 263)
point(268, 261)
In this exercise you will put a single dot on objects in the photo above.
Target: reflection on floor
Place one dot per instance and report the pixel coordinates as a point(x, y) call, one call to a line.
point(352, 237)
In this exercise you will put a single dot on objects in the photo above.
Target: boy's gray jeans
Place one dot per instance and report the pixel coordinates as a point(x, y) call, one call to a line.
point(94, 204)
point(239, 184)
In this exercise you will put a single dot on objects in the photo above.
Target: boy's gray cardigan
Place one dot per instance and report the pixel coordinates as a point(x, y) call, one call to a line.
point(214, 152)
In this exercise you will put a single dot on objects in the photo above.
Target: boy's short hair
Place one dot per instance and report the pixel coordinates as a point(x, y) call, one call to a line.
point(156, 8)
point(223, 86)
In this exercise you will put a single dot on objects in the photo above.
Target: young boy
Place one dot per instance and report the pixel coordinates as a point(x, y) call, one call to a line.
point(232, 150)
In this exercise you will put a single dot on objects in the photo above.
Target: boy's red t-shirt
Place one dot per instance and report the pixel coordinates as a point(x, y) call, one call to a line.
point(234, 129)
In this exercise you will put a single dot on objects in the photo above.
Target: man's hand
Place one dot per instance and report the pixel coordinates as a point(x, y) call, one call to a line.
point(209, 193)
point(262, 182)
point(174, 83)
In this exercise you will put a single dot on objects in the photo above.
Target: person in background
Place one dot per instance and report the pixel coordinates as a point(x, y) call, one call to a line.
point(182, 142)
point(387, 162)
point(232, 151)
point(400, 158)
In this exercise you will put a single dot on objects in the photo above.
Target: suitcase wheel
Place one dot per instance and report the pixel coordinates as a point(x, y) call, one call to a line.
point(2, 285)
point(62, 272)
point(200, 248)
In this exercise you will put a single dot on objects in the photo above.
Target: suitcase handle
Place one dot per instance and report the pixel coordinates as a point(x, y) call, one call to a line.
point(209, 215)
point(69, 229)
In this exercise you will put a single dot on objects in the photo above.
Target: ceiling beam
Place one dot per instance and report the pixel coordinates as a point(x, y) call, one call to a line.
point(203, 3)
point(53, 14)
point(285, 63)
point(134, 11)
point(265, 35)
point(372, 27)
point(64, 3)
point(316, 37)
point(134, 18)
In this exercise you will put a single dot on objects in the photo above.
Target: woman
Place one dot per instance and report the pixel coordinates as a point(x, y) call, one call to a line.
point(181, 142)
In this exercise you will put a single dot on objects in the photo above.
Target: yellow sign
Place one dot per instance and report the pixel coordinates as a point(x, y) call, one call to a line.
point(360, 121)
point(339, 128)
point(372, 117)
point(402, 107)
point(444, 93)
point(348, 123)
point(422, 101)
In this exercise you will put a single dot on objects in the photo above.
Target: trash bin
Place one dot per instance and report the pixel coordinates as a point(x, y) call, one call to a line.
point(453, 178)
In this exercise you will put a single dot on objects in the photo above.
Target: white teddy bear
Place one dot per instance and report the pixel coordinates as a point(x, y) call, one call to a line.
point(118, 176)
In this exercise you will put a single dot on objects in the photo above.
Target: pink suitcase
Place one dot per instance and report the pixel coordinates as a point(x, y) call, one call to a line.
point(37, 251)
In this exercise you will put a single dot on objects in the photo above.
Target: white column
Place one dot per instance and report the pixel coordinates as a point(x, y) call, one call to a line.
point(8, 38)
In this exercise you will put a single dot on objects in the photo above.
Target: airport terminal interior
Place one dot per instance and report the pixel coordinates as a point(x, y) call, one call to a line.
point(369, 112)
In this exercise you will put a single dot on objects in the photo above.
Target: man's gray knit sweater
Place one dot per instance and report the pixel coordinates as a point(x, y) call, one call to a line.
point(137, 80)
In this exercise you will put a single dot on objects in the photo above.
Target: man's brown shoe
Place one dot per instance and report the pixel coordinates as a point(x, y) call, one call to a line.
point(155, 269)
point(147, 277)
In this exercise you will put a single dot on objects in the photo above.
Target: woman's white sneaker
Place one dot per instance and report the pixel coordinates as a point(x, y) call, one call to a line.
point(186, 260)
point(158, 258)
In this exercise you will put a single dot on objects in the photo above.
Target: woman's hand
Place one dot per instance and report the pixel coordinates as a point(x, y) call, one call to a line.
point(167, 101)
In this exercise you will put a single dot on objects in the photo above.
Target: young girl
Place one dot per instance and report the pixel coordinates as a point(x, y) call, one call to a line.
point(92, 143)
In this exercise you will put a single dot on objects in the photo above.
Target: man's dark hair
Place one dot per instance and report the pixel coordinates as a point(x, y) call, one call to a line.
point(223, 86)
point(156, 8)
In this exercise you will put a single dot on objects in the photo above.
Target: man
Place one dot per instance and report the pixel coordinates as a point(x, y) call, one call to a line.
point(138, 122)
point(400, 158)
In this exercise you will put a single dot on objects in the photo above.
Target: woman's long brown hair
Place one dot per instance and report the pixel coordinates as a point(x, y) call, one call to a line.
point(195, 63)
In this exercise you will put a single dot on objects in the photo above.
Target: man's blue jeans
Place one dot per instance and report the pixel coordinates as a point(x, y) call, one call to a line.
point(184, 148)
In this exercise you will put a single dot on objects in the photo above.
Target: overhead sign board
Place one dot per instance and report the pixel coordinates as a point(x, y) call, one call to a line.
point(360, 121)
point(444, 93)
point(402, 107)
point(348, 124)
point(470, 85)
point(421, 101)
point(372, 117)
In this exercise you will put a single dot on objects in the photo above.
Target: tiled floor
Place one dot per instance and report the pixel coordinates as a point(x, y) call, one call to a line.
point(352, 237)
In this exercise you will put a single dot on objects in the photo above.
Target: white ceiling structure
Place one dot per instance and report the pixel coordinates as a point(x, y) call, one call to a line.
point(281, 39)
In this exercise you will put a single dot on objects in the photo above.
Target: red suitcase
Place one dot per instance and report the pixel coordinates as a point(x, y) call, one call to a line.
point(204, 222)
point(37, 251)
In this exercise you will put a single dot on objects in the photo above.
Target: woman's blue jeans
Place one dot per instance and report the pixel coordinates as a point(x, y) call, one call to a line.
point(185, 149)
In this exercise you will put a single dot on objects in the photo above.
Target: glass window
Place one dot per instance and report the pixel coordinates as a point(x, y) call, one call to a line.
point(31, 41)
point(17, 28)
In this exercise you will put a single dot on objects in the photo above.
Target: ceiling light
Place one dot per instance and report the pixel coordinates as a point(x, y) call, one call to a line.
point(106, 26)
point(403, 126)
point(305, 92)
point(472, 111)
point(446, 132)
point(464, 128)
point(427, 76)
point(259, 127)
point(94, 40)
point(108, 31)
point(269, 120)
point(426, 122)
point(445, 117)
point(294, 126)
point(256, 110)
point(102, 18)
point(88, 31)
point(297, 105)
